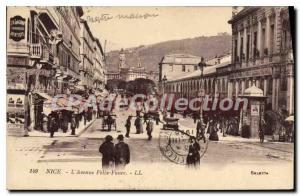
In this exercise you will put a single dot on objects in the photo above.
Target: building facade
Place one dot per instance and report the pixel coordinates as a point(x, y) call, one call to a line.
point(176, 64)
point(262, 55)
point(43, 60)
point(99, 66)
point(189, 84)
point(87, 56)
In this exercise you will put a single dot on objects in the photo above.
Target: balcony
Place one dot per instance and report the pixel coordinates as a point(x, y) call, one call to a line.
point(36, 51)
point(41, 52)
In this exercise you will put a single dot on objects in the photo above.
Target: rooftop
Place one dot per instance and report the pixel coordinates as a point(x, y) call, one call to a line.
point(181, 59)
point(206, 71)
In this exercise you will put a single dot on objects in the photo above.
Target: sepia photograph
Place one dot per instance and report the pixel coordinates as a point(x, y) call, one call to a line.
point(150, 98)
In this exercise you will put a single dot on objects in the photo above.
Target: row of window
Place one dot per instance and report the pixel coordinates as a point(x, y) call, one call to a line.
point(253, 50)
point(183, 67)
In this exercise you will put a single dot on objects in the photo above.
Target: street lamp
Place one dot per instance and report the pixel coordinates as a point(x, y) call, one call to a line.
point(164, 81)
point(201, 93)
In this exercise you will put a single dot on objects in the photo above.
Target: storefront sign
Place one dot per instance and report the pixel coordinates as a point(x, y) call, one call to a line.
point(17, 28)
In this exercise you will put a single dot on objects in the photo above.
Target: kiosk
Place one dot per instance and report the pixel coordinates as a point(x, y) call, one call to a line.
point(253, 114)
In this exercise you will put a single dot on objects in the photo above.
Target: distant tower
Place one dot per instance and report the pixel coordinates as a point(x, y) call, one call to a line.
point(139, 63)
point(122, 59)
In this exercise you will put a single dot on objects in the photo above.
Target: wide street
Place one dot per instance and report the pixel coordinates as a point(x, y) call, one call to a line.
point(84, 148)
point(62, 158)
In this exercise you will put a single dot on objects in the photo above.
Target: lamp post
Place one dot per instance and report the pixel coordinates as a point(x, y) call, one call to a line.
point(201, 93)
point(164, 81)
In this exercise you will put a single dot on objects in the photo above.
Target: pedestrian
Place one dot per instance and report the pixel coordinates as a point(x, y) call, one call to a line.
point(107, 150)
point(157, 118)
point(53, 126)
point(109, 122)
point(149, 128)
point(193, 157)
point(77, 117)
point(128, 125)
point(65, 123)
point(145, 117)
point(122, 153)
point(73, 124)
point(44, 122)
point(138, 125)
point(60, 121)
point(262, 126)
point(195, 117)
point(213, 131)
point(200, 128)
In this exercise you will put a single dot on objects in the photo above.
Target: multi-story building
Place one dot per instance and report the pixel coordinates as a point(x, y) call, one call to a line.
point(189, 84)
point(43, 57)
point(99, 66)
point(87, 56)
point(262, 55)
point(177, 64)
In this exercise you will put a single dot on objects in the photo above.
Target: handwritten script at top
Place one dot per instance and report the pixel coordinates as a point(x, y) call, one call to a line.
point(107, 17)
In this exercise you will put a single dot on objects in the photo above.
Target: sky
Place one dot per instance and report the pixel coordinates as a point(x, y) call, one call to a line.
point(125, 27)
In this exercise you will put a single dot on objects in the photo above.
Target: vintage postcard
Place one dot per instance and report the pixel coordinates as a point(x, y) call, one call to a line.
point(150, 98)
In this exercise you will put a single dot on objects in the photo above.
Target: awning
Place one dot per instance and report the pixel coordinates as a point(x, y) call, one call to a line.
point(44, 95)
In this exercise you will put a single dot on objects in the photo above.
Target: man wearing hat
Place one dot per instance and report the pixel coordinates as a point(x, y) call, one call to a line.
point(128, 125)
point(122, 152)
point(107, 150)
point(149, 128)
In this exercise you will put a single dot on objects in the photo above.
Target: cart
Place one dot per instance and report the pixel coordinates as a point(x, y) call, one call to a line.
point(109, 121)
point(171, 123)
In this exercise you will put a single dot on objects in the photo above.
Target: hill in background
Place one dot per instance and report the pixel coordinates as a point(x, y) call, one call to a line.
point(151, 55)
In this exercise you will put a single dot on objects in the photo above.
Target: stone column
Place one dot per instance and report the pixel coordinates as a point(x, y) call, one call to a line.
point(236, 88)
point(277, 29)
point(265, 86)
point(250, 82)
point(239, 45)
point(268, 40)
point(221, 90)
point(243, 87)
point(229, 92)
point(245, 42)
point(277, 92)
point(273, 93)
point(259, 38)
point(212, 87)
point(257, 83)
point(216, 88)
point(290, 95)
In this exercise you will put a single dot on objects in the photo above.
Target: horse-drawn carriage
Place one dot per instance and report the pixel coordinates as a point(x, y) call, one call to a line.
point(109, 122)
point(171, 123)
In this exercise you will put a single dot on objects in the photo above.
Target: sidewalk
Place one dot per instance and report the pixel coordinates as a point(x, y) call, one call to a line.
point(188, 123)
point(78, 131)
